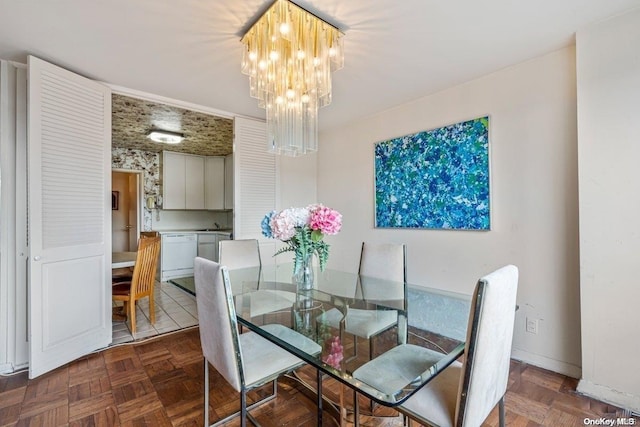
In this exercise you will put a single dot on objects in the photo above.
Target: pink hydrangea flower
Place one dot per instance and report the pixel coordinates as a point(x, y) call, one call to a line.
point(327, 220)
point(335, 356)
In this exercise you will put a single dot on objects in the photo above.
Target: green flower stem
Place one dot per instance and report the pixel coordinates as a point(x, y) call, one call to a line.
point(304, 243)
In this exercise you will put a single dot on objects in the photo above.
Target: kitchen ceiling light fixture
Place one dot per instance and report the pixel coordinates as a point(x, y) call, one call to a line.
point(289, 55)
point(165, 136)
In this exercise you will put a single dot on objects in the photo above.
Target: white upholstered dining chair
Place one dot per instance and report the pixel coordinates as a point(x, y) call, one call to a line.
point(246, 361)
point(242, 253)
point(245, 254)
point(464, 394)
point(380, 264)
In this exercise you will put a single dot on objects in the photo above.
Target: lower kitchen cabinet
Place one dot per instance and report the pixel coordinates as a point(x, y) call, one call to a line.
point(208, 246)
point(179, 249)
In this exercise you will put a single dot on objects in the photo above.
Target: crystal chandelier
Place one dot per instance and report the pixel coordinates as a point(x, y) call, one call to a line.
point(289, 55)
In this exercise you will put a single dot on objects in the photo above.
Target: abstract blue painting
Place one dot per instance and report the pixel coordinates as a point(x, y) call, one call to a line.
point(435, 179)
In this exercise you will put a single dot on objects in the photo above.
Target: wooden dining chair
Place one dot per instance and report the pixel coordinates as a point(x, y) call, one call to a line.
point(125, 274)
point(142, 283)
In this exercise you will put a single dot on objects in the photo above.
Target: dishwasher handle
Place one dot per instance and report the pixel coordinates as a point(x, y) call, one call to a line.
point(181, 237)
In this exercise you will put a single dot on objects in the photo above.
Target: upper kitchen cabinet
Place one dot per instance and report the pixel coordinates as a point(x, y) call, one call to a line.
point(173, 180)
point(214, 183)
point(228, 182)
point(194, 182)
point(183, 181)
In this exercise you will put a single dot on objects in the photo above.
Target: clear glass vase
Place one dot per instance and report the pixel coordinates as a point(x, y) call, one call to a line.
point(303, 275)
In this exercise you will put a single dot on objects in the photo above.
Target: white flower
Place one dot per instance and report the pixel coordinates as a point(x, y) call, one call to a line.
point(299, 216)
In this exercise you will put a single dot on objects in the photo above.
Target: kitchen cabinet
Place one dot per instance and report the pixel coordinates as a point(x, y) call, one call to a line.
point(214, 182)
point(194, 182)
point(182, 181)
point(208, 244)
point(220, 237)
point(173, 180)
point(228, 182)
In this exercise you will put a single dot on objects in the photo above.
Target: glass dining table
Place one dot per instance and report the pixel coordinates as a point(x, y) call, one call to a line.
point(331, 312)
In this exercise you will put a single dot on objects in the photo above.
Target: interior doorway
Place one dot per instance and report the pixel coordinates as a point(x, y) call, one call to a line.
point(125, 210)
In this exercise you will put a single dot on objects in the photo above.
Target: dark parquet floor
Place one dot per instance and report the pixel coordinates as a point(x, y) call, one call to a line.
point(159, 382)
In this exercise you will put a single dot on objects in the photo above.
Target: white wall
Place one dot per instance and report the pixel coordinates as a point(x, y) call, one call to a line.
point(534, 197)
point(296, 181)
point(608, 70)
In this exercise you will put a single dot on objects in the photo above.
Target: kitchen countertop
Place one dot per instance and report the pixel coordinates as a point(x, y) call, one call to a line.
point(199, 231)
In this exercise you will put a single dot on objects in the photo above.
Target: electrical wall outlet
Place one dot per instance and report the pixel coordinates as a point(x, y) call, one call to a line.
point(532, 325)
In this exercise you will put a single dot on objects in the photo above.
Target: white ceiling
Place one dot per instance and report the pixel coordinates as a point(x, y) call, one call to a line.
point(395, 50)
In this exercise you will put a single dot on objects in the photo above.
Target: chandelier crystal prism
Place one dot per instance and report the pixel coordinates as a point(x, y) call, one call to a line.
point(289, 56)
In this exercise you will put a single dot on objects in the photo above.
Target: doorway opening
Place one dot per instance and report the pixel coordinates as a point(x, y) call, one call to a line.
point(126, 197)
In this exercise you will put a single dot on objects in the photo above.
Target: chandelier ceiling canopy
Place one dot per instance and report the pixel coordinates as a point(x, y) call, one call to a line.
point(289, 55)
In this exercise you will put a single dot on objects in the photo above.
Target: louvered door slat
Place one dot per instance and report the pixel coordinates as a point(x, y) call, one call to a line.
point(255, 178)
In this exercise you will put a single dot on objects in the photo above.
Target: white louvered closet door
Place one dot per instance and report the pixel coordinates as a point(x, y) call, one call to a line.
point(69, 150)
point(255, 193)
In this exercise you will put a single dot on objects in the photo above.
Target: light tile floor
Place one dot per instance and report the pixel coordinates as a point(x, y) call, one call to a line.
point(175, 309)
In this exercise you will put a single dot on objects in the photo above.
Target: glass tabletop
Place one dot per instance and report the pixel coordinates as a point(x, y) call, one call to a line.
point(342, 306)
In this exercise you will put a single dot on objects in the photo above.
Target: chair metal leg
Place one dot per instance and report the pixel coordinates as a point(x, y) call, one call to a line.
point(501, 411)
point(247, 409)
point(243, 408)
point(206, 393)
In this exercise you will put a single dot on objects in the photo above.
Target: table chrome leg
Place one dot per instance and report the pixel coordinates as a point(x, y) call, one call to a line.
point(319, 377)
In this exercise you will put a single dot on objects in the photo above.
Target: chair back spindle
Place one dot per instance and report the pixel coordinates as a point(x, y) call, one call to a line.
point(144, 271)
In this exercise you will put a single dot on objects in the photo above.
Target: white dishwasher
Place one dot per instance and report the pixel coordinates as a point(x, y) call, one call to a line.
point(177, 254)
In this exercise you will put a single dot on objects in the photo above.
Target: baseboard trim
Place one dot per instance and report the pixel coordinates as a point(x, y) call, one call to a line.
point(9, 368)
point(543, 362)
point(608, 395)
